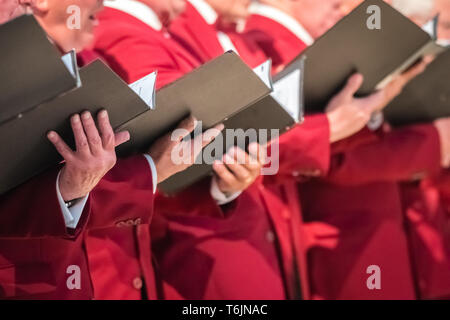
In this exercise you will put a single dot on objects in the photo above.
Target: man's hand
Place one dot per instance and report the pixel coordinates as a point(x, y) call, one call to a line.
point(443, 129)
point(94, 156)
point(347, 115)
point(396, 86)
point(165, 148)
point(238, 170)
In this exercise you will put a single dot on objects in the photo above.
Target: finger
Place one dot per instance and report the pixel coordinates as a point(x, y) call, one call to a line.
point(106, 131)
point(60, 146)
point(121, 138)
point(204, 139)
point(239, 171)
point(414, 71)
point(224, 174)
point(258, 152)
point(244, 159)
point(373, 102)
point(353, 84)
point(209, 135)
point(93, 137)
point(81, 142)
point(187, 126)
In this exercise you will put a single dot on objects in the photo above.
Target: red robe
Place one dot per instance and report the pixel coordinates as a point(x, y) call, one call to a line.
point(271, 207)
point(360, 196)
point(133, 50)
point(277, 42)
point(36, 249)
point(145, 50)
point(427, 207)
point(200, 39)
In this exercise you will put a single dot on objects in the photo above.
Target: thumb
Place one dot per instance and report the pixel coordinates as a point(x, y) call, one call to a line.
point(374, 102)
point(353, 84)
point(188, 124)
point(121, 138)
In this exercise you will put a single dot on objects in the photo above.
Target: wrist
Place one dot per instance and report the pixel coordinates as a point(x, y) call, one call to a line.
point(334, 133)
point(70, 194)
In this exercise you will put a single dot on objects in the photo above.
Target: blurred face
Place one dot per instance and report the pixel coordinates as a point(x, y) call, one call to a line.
point(347, 6)
point(69, 23)
point(317, 16)
point(443, 7)
point(231, 10)
point(167, 10)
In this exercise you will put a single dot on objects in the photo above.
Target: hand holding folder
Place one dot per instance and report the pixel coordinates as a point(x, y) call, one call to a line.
point(380, 55)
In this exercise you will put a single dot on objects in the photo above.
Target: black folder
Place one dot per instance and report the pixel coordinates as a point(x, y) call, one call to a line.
point(425, 98)
point(255, 113)
point(31, 68)
point(350, 46)
point(213, 92)
point(224, 90)
point(23, 143)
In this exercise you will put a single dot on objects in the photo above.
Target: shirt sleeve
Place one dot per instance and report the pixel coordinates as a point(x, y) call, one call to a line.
point(151, 163)
point(73, 214)
point(220, 197)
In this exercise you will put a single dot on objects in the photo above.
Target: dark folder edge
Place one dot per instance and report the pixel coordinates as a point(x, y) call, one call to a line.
point(58, 62)
point(408, 61)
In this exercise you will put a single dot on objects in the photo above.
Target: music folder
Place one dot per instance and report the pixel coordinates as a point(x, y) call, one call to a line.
point(354, 45)
point(23, 142)
point(222, 91)
point(31, 68)
point(425, 98)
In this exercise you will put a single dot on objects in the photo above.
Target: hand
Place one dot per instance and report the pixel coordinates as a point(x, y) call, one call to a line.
point(165, 148)
point(94, 156)
point(347, 115)
point(396, 86)
point(238, 170)
point(443, 129)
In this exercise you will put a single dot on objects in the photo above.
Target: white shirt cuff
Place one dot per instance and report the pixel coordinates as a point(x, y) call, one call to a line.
point(151, 163)
point(73, 214)
point(219, 196)
point(376, 121)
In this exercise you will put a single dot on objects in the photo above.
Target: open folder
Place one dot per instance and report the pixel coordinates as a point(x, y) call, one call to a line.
point(355, 44)
point(224, 90)
point(220, 91)
point(23, 141)
point(32, 70)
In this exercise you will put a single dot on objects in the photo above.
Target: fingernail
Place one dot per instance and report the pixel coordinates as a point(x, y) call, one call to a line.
point(51, 135)
point(228, 159)
point(103, 114)
point(76, 118)
point(86, 115)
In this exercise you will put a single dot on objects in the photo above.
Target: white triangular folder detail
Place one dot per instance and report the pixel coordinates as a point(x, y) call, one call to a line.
point(263, 71)
point(70, 61)
point(286, 92)
point(145, 88)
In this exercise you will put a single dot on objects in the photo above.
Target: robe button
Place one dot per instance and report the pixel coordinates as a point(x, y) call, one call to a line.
point(270, 236)
point(120, 224)
point(137, 283)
